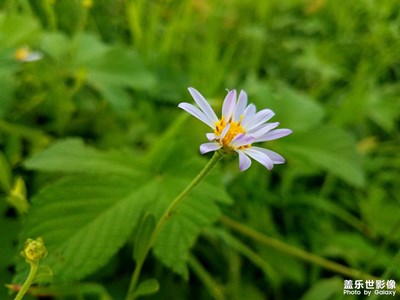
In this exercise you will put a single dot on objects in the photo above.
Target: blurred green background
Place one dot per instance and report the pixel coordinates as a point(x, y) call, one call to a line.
point(112, 74)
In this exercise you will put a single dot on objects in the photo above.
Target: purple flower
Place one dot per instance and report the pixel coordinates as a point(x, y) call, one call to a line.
point(239, 127)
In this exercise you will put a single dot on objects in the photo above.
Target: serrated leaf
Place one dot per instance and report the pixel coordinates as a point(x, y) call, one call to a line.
point(197, 211)
point(85, 217)
point(84, 220)
point(329, 148)
point(73, 156)
point(142, 237)
point(147, 287)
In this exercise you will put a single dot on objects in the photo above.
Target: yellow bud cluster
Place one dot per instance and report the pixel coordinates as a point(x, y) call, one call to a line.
point(34, 250)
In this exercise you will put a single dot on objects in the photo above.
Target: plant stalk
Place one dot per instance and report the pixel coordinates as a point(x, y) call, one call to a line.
point(168, 213)
point(28, 281)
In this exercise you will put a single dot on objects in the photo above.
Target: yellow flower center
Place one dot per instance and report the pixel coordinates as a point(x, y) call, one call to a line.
point(234, 129)
point(21, 54)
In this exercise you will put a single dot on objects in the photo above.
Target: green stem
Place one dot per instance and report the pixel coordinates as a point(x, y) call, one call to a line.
point(293, 251)
point(28, 281)
point(212, 287)
point(167, 215)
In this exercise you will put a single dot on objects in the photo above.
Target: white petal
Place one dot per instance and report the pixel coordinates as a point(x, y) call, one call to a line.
point(33, 56)
point(208, 147)
point(259, 118)
point(229, 105)
point(194, 111)
point(241, 105)
point(275, 157)
point(262, 129)
point(274, 134)
point(249, 112)
point(244, 161)
point(203, 104)
point(259, 156)
point(225, 130)
point(210, 136)
point(241, 140)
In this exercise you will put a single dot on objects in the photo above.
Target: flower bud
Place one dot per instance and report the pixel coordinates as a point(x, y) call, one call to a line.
point(34, 250)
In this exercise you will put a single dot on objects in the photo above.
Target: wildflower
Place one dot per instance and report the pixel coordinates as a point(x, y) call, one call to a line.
point(238, 128)
point(24, 54)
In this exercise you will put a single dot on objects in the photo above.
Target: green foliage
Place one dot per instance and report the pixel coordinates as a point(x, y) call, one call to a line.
point(93, 210)
point(179, 234)
point(324, 289)
point(9, 228)
point(72, 156)
point(142, 237)
point(93, 148)
point(5, 175)
point(330, 148)
point(147, 287)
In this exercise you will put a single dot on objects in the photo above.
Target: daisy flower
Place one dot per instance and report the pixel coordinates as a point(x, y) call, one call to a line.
point(238, 128)
point(24, 54)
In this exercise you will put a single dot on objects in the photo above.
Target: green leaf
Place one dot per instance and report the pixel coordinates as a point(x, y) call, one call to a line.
point(44, 275)
point(56, 44)
point(5, 174)
point(324, 289)
point(16, 30)
point(331, 207)
point(7, 88)
point(357, 250)
point(197, 211)
point(121, 67)
point(115, 70)
point(295, 110)
point(329, 148)
point(142, 237)
point(73, 156)
point(83, 290)
point(86, 216)
point(377, 210)
point(292, 109)
point(117, 96)
point(84, 220)
point(147, 287)
point(87, 48)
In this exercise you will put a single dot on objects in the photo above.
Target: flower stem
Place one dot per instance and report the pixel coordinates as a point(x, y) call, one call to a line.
point(28, 281)
point(168, 213)
point(294, 251)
